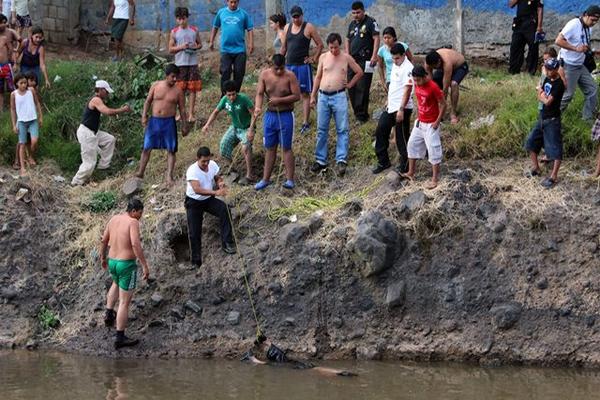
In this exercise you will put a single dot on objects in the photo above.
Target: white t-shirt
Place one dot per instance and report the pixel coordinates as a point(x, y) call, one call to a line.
point(400, 77)
point(121, 9)
point(206, 179)
point(574, 34)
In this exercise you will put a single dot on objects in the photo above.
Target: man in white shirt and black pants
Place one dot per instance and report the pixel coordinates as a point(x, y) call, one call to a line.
point(399, 110)
point(202, 177)
point(574, 40)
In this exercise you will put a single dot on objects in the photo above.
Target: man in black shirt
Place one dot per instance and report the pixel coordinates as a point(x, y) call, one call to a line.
point(527, 26)
point(362, 45)
point(547, 131)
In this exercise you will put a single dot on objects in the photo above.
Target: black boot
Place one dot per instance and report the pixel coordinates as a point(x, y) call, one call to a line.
point(109, 318)
point(124, 341)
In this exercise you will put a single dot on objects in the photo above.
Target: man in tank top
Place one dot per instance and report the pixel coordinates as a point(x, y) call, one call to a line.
point(93, 141)
point(295, 47)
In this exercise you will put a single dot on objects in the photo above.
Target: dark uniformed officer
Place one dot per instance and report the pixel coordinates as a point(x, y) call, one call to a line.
point(526, 24)
point(362, 45)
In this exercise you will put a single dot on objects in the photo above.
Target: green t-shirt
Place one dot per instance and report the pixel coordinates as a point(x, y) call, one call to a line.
point(240, 116)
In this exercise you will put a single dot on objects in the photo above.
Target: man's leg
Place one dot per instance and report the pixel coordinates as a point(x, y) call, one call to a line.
point(219, 209)
point(353, 93)
point(192, 99)
point(305, 108)
point(435, 177)
point(145, 157)
point(589, 87)
point(226, 69)
point(454, 91)
point(342, 125)
point(239, 69)
point(517, 48)
point(572, 73)
point(597, 172)
point(247, 151)
point(323, 118)
point(125, 297)
point(194, 211)
point(365, 89)
point(106, 144)
point(535, 165)
point(89, 154)
point(270, 156)
point(382, 139)
point(111, 299)
point(170, 167)
point(402, 138)
point(532, 50)
point(289, 164)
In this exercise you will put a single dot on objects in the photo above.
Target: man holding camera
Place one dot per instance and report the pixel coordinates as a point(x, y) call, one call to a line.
point(578, 58)
point(527, 30)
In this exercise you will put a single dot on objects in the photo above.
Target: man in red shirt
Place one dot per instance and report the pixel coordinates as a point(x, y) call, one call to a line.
point(425, 136)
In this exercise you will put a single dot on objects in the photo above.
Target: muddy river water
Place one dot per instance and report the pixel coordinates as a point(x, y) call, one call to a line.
point(49, 376)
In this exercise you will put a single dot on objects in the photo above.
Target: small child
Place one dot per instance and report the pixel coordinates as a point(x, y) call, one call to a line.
point(547, 133)
point(26, 115)
point(425, 136)
point(549, 53)
point(241, 110)
point(185, 42)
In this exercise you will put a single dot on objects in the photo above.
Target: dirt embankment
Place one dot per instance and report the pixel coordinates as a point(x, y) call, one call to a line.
point(489, 267)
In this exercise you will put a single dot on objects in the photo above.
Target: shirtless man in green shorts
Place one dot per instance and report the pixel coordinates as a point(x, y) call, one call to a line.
point(122, 238)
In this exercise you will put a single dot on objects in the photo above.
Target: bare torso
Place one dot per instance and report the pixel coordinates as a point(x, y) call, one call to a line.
point(278, 86)
point(451, 58)
point(335, 72)
point(119, 230)
point(6, 41)
point(165, 100)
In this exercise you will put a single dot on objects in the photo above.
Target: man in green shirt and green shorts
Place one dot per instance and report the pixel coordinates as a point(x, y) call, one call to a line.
point(122, 240)
point(241, 110)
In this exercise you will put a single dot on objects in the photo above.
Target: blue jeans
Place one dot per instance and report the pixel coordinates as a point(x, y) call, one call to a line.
point(337, 105)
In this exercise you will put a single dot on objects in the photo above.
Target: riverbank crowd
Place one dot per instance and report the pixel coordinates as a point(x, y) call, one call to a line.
point(418, 97)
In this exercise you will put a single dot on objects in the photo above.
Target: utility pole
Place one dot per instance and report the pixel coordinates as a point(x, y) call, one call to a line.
point(460, 46)
point(271, 7)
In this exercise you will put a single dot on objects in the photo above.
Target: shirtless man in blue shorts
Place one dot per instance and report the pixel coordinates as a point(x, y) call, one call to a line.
point(161, 130)
point(281, 88)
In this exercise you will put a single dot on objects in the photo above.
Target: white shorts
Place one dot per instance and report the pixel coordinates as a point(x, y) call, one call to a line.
point(424, 140)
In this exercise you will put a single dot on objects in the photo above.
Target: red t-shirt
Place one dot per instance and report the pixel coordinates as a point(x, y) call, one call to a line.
point(428, 96)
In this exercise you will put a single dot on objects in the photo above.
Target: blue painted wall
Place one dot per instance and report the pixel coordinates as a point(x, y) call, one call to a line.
point(159, 14)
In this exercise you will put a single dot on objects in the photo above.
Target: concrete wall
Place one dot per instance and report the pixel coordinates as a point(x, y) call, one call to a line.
point(424, 24)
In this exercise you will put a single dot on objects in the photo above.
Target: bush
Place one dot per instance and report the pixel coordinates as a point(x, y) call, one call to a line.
point(101, 202)
point(47, 319)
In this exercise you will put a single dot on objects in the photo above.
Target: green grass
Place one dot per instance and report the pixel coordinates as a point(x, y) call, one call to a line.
point(47, 318)
point(101, 202)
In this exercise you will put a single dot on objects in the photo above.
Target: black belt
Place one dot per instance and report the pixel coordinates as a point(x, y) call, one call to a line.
point(332, 93)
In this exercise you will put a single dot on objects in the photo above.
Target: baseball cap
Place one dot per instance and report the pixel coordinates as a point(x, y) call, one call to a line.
point(593, 11)
point(296, 11)
point(101, 84)
point(551, 63)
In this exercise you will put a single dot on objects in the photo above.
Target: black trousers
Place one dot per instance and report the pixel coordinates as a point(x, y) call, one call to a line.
point(523, 34)
point(382, 138)
point(233, 63)
point(195, 215)
point(359, 94)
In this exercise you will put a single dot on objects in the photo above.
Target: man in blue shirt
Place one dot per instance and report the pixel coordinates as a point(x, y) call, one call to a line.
point(234, 22)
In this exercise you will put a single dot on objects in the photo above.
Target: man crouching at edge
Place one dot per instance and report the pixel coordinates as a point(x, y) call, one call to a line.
point(122, 237)
point(265, 349)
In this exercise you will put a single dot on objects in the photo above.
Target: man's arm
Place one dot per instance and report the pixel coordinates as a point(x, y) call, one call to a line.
point(198, 41)
point(540, 17)
point(447, 68)
point(185, 128)
point(562, 42)
point(132, 12)
point(314, 34)
point(250, 135)
point(293, 97)
point(99, 105)
point(358, 72)
point(405, 98)
point(347, 45)
point(512, 3)
point(104, 247)
point(442, 107)
point(210, 120)
point(376, 41)
point(147, 104)
point(283, 49)
point(260, 91)
point(381, 68)
point(136, 245)
point(111, 11)
point(206, 192)
point(317, 82)
point(250, 41)
point(213, 31)
point(173, 48)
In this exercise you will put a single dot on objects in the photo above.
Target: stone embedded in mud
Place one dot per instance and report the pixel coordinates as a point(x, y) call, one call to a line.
point(542, 284)
point(376, 243)
point(506, 315)
point(190, 305)
point(31, 345)
point(263, 246)
point(463, 175)
point(315, 222)
point(274, 287)
point(364, 353)
point(177, 313)
point(132, 186)
point(414, 201)
point(233, 317)
point(289, 321)
point(352, 208)
point(357, 334)
point(156, 299)
point(9, 293)
point(293, 233)
point(395, 294)
point(337, 322)
point(393, 179)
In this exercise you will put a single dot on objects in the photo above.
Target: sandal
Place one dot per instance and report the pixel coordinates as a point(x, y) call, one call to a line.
point(548, 182)
point(262, 184)
point(532, 172)
point(289, 184)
